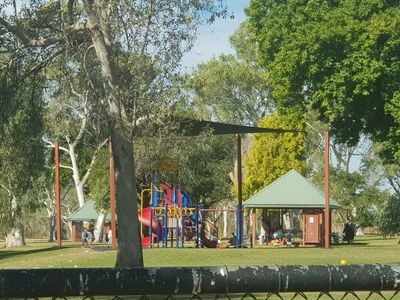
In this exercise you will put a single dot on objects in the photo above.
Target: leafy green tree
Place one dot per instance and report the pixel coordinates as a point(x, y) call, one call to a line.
point(361, 201)
point(390, 217)
point(99, 181)
point(357, 180)
point(72, 117)
point(207, 164)
point(154, 32)
point(21, 148)
point(338, 57)
point(232, 88)
point(369, 206)
point(391, 172)
point(272, 155)
point(203, 164)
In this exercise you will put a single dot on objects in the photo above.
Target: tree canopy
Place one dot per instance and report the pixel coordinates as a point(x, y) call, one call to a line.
point(272, 155)
point(338, 57)
point(21, 148)
point(232, 88)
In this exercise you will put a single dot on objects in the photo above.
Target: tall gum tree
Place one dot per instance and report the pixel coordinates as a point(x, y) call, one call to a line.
point(160, 31)
point(21, 151)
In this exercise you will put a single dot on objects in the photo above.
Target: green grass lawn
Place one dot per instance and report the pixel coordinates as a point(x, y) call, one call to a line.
point(366, 250)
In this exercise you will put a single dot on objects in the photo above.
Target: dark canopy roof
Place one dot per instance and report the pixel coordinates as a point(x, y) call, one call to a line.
point(193, 127)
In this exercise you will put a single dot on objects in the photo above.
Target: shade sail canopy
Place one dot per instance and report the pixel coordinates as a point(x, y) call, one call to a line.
point(87, 213)
point(191, 127)
point(290, 191)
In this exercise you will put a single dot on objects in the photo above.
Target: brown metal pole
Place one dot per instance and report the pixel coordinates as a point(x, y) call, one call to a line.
point(240, 194)
point(327, 219)
point(57, 190)
point(112, 198)
point(253, 228)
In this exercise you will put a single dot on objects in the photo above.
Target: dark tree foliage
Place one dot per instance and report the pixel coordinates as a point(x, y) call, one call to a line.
point(339, 57)
point(390, 216)
point(21, 148)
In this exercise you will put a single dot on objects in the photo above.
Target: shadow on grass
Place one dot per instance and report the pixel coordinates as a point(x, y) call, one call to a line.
point(102, 248)
point(356, 243)
point(20, 252)
point(381, 238)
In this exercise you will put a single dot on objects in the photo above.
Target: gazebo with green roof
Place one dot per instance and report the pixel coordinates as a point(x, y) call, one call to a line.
point(86, 213)
point(293, 191)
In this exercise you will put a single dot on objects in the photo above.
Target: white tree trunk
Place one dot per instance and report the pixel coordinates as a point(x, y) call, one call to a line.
point(287, 223)
point(98, 231)
point(15, 238)
point(75, 175)
point(52, 228)
point(225, 232)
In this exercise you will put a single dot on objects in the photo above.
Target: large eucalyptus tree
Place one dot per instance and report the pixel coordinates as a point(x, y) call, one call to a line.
point(21, 149)
point(136, 46)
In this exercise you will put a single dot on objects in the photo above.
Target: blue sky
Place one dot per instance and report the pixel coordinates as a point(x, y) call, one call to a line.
point(214, 39)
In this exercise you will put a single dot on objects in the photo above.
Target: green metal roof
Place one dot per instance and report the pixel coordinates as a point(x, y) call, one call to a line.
point(87, 213)
point(290, 191)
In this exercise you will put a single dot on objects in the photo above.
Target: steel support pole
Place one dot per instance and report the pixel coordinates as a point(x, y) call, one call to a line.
point(112, 197)
point(253, 227)
point(57, 190)
point(240, 191)
point(327, 213)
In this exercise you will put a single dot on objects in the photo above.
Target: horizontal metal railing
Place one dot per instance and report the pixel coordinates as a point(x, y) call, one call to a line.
point(224, 280)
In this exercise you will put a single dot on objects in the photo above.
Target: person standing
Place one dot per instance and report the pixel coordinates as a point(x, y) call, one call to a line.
point(349, 230)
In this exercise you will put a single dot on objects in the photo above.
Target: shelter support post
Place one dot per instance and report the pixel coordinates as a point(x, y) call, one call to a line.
point(253, 227)
point(240, 193)
point(327, 219)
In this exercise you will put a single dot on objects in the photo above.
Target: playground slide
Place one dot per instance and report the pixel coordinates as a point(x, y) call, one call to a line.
point(144, 218)
point(146, 241)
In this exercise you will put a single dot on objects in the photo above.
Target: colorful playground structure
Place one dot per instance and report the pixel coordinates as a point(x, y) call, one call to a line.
point(168, 219)
point(166, 212)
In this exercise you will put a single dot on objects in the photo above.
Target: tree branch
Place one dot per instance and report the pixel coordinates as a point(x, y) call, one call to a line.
point(82, 128)
point(87, 73)
point(50, 144)
point(42, 42)
point(70, 11)
point(41, 65)
point(15, 30)
point(94, 158)
point(394, 185)
point(146, 35)
point(65, 167)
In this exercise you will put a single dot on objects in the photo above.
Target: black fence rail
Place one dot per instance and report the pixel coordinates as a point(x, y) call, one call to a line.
point(202, 282)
